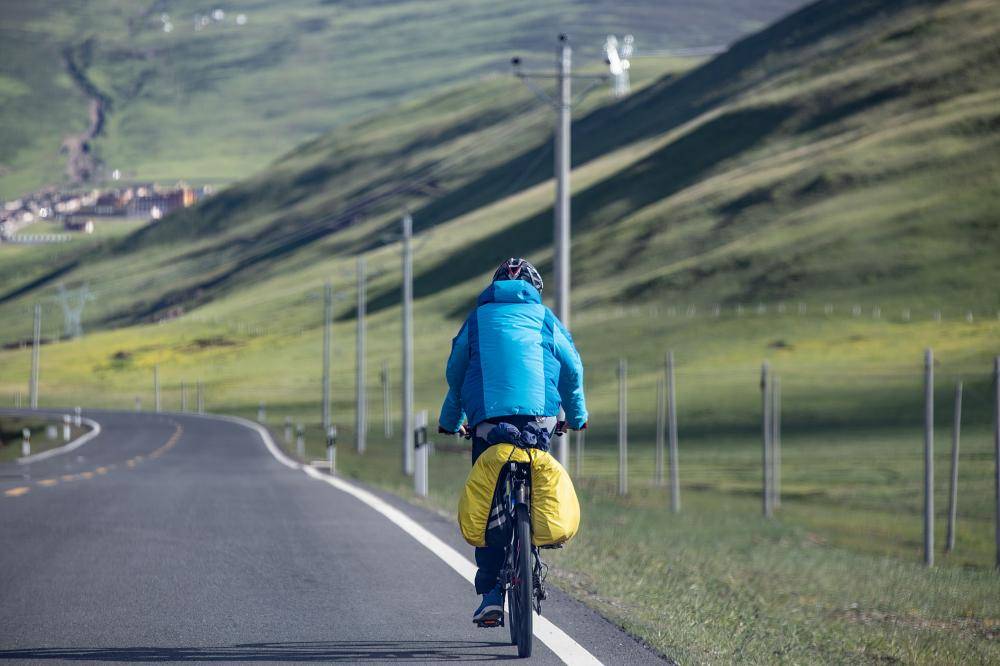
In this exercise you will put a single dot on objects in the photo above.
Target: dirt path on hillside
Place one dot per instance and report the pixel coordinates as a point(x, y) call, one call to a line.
point(81, 163)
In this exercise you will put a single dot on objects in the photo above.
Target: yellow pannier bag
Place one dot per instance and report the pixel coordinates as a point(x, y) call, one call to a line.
point(555, 510)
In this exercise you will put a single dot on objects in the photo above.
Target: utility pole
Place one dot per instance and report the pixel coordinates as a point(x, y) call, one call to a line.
point(361, 408)
point(563, 104)
point(929, 457)
point(73, 311)
point(35, 351)
point(564, 111)
point(327, 329)
point(408, 344)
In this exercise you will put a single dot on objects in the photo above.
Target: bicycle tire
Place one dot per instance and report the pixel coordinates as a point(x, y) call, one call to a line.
point(521, 590)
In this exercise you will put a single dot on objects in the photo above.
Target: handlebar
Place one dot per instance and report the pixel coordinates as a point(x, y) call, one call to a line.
point(562, 427)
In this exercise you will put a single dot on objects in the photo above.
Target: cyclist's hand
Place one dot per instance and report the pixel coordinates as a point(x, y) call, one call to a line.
point(462, 431)
point(560, 428)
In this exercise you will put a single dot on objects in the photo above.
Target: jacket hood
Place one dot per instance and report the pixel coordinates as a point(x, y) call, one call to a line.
point(509, 291)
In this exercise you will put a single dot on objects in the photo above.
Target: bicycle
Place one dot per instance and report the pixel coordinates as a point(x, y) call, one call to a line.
point(523, 574)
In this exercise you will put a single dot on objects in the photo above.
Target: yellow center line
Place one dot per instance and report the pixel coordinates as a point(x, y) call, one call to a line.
point(104, 469)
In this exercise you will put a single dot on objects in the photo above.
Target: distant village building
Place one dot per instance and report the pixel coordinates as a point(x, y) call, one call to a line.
point(107, 203)
point(82, 226)
point(147, 202)
point(75, 210)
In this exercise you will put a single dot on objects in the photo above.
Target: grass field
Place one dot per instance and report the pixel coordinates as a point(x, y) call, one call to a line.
point(828, 185)
point(837, 576)
point(11, 428)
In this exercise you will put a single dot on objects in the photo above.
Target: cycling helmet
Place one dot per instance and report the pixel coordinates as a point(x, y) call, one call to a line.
point(519, 269)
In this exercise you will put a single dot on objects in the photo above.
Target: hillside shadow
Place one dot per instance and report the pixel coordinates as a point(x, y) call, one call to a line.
point(305, 651)
point(662, 106)
point(652, 179)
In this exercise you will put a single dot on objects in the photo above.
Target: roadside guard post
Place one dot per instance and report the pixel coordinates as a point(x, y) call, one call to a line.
point(66, 423)
point(420, 443)
point(331, 448)
point(78, 420)
point(25, 442)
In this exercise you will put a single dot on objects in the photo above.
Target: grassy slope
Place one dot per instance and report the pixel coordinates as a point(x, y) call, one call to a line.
point(218, 104)
point(784, 208)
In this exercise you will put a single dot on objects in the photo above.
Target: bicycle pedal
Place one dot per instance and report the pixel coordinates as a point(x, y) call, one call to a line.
point(489, 624)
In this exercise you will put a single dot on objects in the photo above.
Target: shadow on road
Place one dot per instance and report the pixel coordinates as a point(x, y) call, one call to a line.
point(327, 651)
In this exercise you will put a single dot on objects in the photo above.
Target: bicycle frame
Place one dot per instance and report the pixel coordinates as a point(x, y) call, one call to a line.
point(518, 492)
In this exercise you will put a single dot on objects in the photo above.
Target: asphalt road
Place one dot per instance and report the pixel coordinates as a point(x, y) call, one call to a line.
point(172, 538)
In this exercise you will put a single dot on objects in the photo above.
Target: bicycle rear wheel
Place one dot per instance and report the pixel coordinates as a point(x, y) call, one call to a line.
point(520, 591)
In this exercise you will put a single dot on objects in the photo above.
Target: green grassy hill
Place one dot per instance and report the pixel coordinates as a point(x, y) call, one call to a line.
point(829, 185)
point(217, 101)
point(840, 156)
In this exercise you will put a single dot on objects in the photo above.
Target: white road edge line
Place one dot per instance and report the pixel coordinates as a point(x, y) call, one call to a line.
point(557, 640)
point(66, 448)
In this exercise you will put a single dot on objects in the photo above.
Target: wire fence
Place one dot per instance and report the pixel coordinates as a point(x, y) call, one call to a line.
point(849, 467)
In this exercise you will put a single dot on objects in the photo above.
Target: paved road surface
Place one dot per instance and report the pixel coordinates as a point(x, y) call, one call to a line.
point(181, 538)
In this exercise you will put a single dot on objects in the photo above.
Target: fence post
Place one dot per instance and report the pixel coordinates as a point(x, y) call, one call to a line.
point(35, 361)
point(661, 426)
point(562, 445)
point(288, 431)
point(675, 476)
point(78, 416)
point(156, 388)
point(201, 397)
point(420, 442)
point(331, 448)
point(622, 427)
point(956, 434)
point(66, 423)
point(184, 397)
point(929, 457)
point(17, 400)
point(386, 400)
point(765, 389)
point(580, 436)
point(776, 444)
point(300, 441)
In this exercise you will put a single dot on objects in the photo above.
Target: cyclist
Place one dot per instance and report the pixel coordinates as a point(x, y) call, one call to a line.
point(512, 361)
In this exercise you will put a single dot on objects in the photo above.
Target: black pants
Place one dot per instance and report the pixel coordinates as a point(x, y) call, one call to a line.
point(490, 560)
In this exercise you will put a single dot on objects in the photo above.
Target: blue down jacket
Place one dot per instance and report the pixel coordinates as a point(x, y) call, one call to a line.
point(512, 356)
